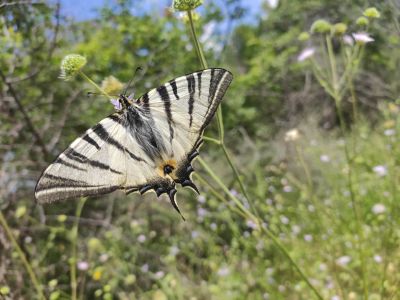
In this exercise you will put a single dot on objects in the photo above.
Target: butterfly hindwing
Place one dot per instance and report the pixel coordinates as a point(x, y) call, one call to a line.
point(146, 146)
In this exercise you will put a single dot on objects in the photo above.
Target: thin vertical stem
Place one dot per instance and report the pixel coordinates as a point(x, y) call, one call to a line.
point(73, 259)
point(22, 256)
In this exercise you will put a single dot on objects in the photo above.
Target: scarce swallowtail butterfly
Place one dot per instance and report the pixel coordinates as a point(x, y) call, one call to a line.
point(147, 144)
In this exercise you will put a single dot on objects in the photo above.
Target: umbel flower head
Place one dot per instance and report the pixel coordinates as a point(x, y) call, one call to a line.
point(321, 26)
point(71, 64)
point(372, 13)
point(186, 5)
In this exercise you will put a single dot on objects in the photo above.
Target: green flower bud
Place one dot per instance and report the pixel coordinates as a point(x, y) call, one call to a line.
point(321, 26)
point(4, 290)
point(94, 244)
point(185, 5)
point(53, 283)
point(339, 28)
point(20, 212)
point(71, 65)
point(130, 279)
point(61, 218)
point(372, 13)
point(304, 36)
point(362, 21)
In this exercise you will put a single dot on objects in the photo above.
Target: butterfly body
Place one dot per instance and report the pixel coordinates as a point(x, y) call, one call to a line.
point(148, 144)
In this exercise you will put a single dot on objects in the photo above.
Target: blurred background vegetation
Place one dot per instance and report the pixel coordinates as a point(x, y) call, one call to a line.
point(319, 160)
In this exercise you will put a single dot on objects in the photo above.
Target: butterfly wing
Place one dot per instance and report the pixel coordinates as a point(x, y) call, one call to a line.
point(180, 110)
point(95, 163)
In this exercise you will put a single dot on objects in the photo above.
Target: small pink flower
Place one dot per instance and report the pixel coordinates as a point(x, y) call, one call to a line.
point(362, 37)
point(348, 40)
point(305, 54)
point(83, 265)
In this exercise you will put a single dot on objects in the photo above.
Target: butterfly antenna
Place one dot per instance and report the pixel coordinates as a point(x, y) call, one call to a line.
point(89, 94)
point(131, 80)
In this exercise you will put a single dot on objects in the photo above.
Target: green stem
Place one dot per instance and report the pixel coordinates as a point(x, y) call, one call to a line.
point(94, 84)
point(209, 139)
point(219, 195)
point(22, 256)
point(74, 237)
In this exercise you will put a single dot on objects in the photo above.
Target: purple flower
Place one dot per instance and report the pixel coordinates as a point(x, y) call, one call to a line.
point(116, 104)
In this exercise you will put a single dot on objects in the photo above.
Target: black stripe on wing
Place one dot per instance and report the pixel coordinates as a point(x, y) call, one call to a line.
point(76, 156)
point(105, 136)
point(163, 92)
point(192, 88)
point(174, 88)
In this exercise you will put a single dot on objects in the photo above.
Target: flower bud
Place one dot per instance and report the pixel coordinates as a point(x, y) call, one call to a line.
point(362, 21)
point(321, 26)
point(185, 5)
point(71, 65)
point(304, 36)
point(372, 13)
point(339, 28)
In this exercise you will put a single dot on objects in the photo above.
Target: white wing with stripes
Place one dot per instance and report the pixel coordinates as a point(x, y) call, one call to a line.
point(147, 145)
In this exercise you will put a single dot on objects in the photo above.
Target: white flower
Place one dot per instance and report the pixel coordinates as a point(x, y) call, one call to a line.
point(292, 135)
point(335, 297)
point(389, 132)
point(362, 37)
point(141, 238)
point(378, 208)
point(83, 265)
point(213, 226)
point(201, 199)
point(287, 189)
point(343, 260)
point(305, 54)
point(296, 229)
point(284, 219)
point(195, 234)
point(202, 212)
point(145, 268)
point(348, 40)
point(159, 274)
point(223, 271)
point(325, 158)
point(308, 237)
point(251, 224)
point(103, 257)
point(174, 250)
point(380, 170)
point(377, 258)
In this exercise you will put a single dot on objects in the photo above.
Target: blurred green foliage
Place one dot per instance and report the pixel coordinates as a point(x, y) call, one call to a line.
point(137, 247)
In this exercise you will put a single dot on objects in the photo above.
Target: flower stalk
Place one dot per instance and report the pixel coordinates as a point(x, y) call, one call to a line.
point(22, 256)
point(245, 212)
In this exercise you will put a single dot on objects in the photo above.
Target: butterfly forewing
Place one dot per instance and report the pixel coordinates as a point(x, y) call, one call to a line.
point(146, 146)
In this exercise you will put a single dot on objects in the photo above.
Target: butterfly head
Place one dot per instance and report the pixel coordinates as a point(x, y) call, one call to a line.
point(123, 102)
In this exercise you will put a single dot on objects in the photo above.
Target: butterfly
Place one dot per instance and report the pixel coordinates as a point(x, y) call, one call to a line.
point(147, 144)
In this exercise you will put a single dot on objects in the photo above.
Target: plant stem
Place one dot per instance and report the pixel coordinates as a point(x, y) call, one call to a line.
point(338, 101)
point(203, 63)
point(74, 237)
point(22, 256)
point(94, 84)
